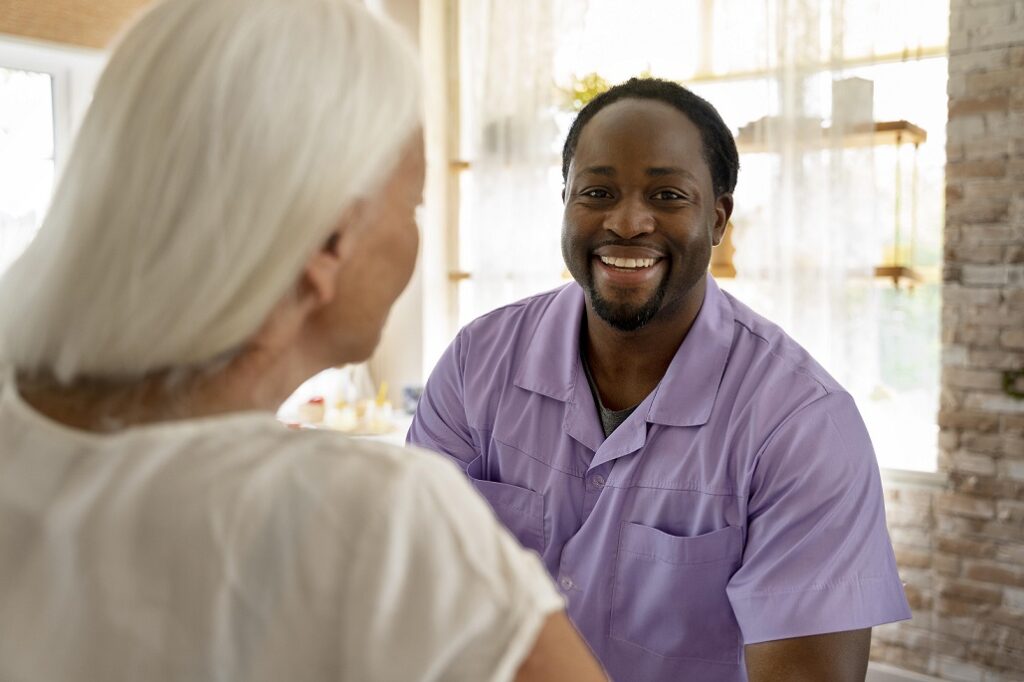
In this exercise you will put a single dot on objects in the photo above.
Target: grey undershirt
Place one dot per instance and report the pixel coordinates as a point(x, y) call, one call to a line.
point(610, 419)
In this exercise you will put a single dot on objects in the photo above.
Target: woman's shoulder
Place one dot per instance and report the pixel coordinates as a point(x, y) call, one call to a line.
point(319, 490)
point(345, 473)
point(320, 458)
point(402, 492)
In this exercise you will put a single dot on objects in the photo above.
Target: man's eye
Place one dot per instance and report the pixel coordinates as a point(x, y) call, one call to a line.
point(668, 195)
point(596, 193)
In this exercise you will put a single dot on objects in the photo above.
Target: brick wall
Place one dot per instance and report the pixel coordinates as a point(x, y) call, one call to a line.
point(960, 545)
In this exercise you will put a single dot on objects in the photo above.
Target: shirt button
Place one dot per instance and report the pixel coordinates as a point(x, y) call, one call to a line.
point(597, 481)
point(566, 583)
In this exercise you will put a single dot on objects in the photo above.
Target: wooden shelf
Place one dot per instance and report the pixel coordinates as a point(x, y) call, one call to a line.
point(897, 273)
point(869, 135)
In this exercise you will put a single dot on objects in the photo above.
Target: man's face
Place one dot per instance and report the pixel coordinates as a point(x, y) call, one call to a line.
point(640, 213)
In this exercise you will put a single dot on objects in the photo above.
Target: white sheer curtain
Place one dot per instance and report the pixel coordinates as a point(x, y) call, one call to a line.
point(511, 206)
point(817, 206)
point(808, 227)
point(807, 215)
point(815, 212)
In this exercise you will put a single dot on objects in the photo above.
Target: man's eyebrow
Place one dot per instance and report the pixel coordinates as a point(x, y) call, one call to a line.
point(606, 171)
point(659, 171)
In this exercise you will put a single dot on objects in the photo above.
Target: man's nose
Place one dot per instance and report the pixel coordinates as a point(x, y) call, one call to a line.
point(630, 217)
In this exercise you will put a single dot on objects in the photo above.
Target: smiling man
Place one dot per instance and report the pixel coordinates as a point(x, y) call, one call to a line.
point(704, 492)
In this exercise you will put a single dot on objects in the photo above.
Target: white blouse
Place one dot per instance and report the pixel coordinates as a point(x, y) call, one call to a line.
point(231, 548)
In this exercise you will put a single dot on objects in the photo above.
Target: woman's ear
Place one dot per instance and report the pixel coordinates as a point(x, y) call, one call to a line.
point(320, 274)
point(316, 288)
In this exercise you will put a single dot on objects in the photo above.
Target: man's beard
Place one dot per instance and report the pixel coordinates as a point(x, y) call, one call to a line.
point(624, 316)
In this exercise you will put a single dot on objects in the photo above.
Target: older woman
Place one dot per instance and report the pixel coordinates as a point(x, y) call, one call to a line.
point(237, 215)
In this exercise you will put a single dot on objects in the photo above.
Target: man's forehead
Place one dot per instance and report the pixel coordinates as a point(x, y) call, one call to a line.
point(650, 132)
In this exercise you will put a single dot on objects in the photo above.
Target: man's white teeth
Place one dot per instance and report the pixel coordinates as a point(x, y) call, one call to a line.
point(628, 262)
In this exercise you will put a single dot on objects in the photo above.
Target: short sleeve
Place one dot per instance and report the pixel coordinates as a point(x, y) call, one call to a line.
point(440, 422)
point(817, 556)
point(441, 590)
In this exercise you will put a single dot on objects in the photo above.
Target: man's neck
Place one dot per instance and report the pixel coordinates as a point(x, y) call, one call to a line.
point(627, 366)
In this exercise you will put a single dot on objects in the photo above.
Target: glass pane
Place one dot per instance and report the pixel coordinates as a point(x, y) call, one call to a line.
point(26, 114)
point(26, 157)
point(902, 408)
point(622, 39)
point(747, 24)
point(740, 102)
point(874, 27)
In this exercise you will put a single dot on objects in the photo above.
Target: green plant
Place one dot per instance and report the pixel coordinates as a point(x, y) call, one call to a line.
point(582, 89)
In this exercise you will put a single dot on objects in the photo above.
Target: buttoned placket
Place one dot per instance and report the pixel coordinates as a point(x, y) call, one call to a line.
point(594, 483)
point(583, 425)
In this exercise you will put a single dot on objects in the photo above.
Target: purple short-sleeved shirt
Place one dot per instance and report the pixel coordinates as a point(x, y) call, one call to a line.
point(739, 503)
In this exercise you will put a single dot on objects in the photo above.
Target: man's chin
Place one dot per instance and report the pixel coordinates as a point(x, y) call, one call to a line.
point(625, 316)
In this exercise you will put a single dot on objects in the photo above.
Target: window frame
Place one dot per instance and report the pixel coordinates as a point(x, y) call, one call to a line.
point(73, 73)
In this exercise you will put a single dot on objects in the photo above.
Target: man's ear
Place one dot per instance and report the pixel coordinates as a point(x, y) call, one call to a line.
point(723, 211)
point(320, 274)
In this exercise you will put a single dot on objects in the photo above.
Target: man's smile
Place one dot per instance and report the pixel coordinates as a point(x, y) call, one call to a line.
point(628, 263)
point(622, 272)
point(628, 266)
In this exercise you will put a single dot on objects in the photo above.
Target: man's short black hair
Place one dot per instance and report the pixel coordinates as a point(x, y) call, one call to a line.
point(719, 146)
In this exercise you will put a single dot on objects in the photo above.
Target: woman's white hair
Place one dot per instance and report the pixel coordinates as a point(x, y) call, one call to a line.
point(224, 142)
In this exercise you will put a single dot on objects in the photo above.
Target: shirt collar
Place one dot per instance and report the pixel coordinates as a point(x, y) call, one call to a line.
point(687, 392)
point(551, 362)
point(684, 396)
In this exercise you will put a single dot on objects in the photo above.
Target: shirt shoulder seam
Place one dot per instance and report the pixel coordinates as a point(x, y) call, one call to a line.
point(790, 417)
point(795, 368)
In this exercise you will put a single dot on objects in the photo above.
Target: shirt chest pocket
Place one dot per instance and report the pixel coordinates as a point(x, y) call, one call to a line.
point(520, 509)
point(669, 593)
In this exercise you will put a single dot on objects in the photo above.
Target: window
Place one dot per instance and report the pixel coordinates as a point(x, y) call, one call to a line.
point(43, 92)
point(819, 214)
point(26, 157)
